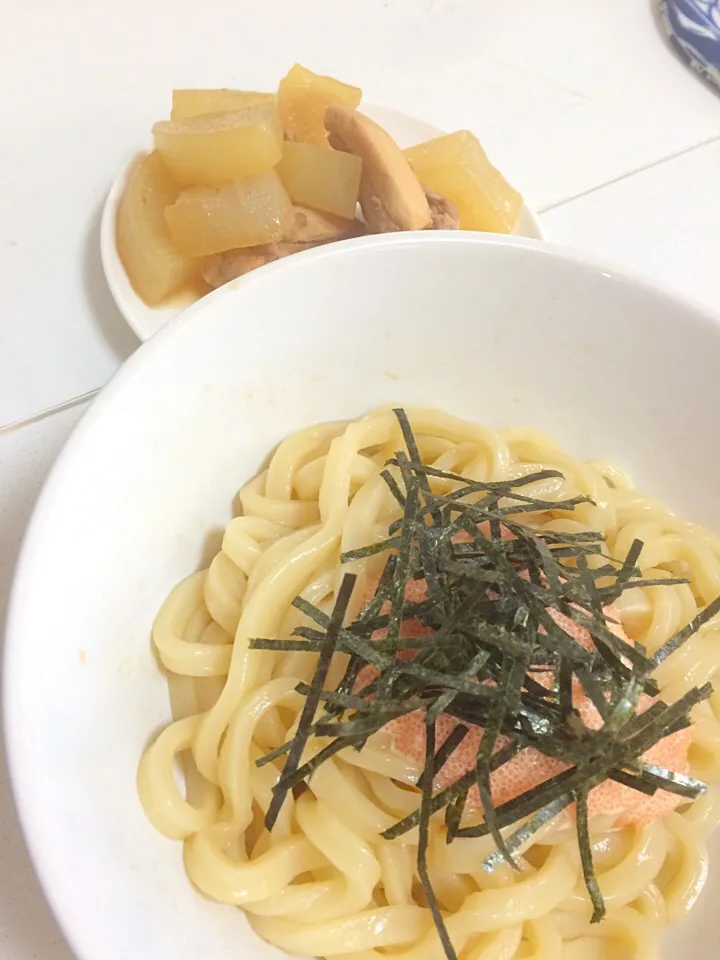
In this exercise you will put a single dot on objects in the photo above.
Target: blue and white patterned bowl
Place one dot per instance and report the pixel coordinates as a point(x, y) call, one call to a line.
point(694, 28)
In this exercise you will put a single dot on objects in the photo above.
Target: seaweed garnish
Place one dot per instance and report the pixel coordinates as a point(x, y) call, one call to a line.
point(583, 832)
point(312, 699)
point(423, 840)
point(493, 649)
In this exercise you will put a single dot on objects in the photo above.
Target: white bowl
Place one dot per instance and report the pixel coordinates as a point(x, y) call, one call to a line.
point(503, 331)
point(145, 320)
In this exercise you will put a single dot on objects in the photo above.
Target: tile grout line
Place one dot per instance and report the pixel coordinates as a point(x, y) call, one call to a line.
point(631, 173)
point(48, 412)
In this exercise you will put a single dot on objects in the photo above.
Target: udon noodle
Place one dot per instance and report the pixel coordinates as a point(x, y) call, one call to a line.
point(324, 883)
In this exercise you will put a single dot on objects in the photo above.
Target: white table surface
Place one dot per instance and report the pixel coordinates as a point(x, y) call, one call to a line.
point(580, 102)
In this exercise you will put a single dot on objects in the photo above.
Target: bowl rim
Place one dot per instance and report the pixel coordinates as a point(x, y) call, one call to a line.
point(24, 775)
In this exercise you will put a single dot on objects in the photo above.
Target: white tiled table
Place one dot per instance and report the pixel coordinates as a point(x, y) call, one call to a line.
point(579, 101)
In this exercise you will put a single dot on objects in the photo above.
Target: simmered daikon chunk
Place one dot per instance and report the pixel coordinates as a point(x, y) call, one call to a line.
point(221, 147)
point(303, 97)
point(456, 166)
point(205, 220)
point(323, 179)
point(198, 103)
point(154, 265)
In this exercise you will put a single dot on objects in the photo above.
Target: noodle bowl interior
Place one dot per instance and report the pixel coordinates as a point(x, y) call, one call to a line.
point(340, 852)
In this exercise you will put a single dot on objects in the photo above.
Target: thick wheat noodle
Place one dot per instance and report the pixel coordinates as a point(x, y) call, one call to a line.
point(324, 883)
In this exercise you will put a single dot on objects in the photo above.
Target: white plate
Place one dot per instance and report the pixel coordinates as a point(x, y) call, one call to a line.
point(145, 320)
point(507, 331)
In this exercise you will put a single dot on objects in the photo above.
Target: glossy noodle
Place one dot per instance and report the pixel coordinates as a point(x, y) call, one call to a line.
point(324, 883)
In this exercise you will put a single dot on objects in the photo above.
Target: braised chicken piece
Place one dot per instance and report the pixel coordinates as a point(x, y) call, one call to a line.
point(391, 196)
point(223, 267)
point(306, 229)
point(312, 226)
point(444, 214)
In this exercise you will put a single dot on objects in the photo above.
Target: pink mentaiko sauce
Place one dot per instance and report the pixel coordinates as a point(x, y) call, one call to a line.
point(530, 767)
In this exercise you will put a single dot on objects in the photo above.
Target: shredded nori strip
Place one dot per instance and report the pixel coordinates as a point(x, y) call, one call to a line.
point(423, 836)
point(710, 611)
point(484, 648)
point(583, 832)
point(441, 757)
point(312, 699)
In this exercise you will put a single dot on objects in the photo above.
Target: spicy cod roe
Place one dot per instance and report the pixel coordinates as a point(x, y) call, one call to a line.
point(530, 767)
